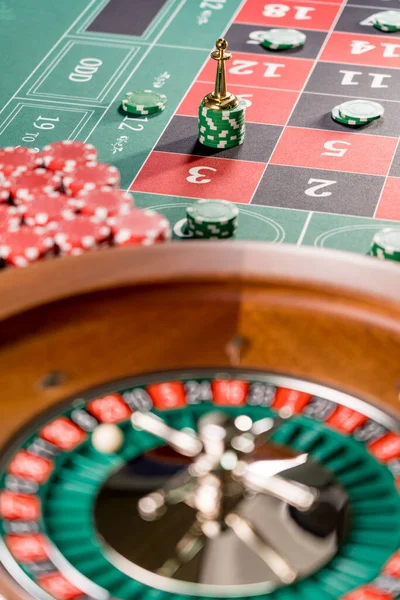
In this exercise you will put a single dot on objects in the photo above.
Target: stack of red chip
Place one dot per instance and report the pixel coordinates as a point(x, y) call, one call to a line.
point(80, 235)
point(44, 209)
point(66, 155)
point(14, 161)
point(61, 201)
point(140, 227)
point(23, 246)
point(26, 186)
point(91, 176)
point(103, 202)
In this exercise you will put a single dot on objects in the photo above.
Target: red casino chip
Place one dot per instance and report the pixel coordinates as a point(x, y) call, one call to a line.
point(24, 246)
point(67, 155)
point(48, 208)
point(91, 176)
point(103, 202)
point(11, 217)
point(142, 227)
point(80, 235)
point(14, 161)
point(28, 185)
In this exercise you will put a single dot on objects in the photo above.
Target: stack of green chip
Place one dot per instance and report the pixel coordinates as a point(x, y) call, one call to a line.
point(283, 39)
point(222, 128)
point(386, 244)
point(212, 219)
point(145, 102)
point(387, 20)
point(357, 112)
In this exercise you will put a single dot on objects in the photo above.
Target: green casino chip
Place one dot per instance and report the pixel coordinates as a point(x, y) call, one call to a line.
point(221, 144)
point(212, 212)
point(144, 102)
point(223, 115)
point(336, 116)
point(386, 244)
point(222, 128)
point(221, 137)
point(230, 127)
point(389, 19)
point(362, 111)
point(339, 119)
point(283, 39)
point(385, 28)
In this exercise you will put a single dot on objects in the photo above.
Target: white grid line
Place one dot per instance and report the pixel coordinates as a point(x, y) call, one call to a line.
point(304, 229)
point(160, 33)
point(329, 33)
point(242, 3)
point(268, 207)
point(91, 3)
point(62, 102)
point(258, 162)
point(260, 87)
point(386, 178)
point(130, 53)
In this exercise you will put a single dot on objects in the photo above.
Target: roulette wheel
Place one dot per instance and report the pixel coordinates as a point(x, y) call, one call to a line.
point(218, 423)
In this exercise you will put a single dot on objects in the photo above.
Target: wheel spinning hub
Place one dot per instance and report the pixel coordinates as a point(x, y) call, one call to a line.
point(245, 510)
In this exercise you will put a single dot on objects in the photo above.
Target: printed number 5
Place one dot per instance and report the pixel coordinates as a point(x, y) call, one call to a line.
point(197, 177)
point(334, 148)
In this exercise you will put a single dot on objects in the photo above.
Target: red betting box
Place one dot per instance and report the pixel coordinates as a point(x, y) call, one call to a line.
point(262, 71)
point(335, 150)
point(389, 202)
point(280, 103)
point(194, 176)
point(298, 15)
point(371, 50)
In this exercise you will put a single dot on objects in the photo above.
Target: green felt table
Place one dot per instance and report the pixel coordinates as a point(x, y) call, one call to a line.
point(299, 178)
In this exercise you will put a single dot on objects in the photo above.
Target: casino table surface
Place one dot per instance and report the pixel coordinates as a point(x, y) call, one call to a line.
point(206, 419)
point(299, 178)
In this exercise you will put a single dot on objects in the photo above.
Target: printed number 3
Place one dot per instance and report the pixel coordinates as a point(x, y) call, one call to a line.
point(197, 177)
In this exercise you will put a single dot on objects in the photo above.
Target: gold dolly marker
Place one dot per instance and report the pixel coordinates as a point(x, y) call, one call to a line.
point(220, 98)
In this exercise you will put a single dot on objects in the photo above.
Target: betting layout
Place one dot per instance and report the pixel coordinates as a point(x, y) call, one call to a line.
point(297, 193)
point(295, 156)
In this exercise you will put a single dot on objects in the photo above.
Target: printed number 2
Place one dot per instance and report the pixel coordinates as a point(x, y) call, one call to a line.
point(197, 177)
point(320, 184)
